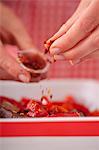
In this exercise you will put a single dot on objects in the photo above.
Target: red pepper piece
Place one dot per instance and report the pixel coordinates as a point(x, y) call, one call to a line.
point(94, 113)
point(44, 100)
point(53, 109)
point(59, 103)
point(37, 114)
point(68, 103)
point(10, 104)
point(81, 108)
point(24, 102)
point(32, 105)
point(68, 114)
point(35, 109)
point(72, 104)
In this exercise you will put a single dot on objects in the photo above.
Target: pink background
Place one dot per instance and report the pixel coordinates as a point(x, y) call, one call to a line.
point(42, 19)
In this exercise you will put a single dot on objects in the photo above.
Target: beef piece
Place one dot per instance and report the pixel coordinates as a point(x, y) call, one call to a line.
point(5, 113)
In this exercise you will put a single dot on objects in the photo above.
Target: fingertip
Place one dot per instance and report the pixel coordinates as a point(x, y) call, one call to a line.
point(24, 77)
point(58, 46)
point(74, 62)
point(48, 43)
point(59, 57)
point(55, 51)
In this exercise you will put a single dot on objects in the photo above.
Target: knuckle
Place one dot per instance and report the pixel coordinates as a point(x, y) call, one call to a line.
point(7, 66)
point(87, 25)
point(63, 26)
point(4, 64)
point(70, 39)
point(69, 56)
point(95, 42)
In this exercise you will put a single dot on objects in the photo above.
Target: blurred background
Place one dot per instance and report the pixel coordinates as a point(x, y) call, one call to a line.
point(42, 19)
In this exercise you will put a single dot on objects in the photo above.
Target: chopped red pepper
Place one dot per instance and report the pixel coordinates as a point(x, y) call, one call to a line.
point(24, 102)
point(68, 114)
point(10, 104)
point(35, 109)
point(95, 113)
point(27, 107)
point(44, 100)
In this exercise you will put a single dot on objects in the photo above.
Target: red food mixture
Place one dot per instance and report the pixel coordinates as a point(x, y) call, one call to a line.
point(26, 107)
point(32, 61)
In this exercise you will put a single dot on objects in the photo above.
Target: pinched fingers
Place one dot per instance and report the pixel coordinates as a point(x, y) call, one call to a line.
point(88, 21)
point(66, 26)
point(84, 49)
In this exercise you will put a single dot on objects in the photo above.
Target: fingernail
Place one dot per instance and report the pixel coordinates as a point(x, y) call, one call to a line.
point(44, 42)
point(74, 62)
point(23, 78)
point(46, 51)
point(59, 57)
point(55, 51)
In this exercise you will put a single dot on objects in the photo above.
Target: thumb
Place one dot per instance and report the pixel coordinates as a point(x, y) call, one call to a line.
point(10, 65)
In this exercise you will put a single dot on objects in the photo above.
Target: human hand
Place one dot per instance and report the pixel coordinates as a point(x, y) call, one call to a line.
point(13, 32)
point(78, 38)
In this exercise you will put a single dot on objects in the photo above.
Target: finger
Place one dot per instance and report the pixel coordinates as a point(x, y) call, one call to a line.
point(82, 28)
point(23, 39)
point(93, 55)
point(10, 65)
point(15, 28)
point(4, 75)
point(66, 26)
point(4, 36)
point(12, 50)
point(84, 48)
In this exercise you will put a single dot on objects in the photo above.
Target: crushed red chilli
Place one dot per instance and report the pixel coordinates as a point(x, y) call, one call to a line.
point(46, 51)
point(26, 107)
point(47, 45)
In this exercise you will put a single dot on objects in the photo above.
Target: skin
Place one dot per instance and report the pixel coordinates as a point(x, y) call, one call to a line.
point(13, 32)
point(78, 38)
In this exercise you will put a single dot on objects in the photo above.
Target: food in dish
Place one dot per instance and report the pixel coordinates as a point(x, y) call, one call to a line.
point(26, 107)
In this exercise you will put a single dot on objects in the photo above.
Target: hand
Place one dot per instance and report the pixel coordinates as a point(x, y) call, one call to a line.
point(78, 38)
point(13, 32)
point(9, 67)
